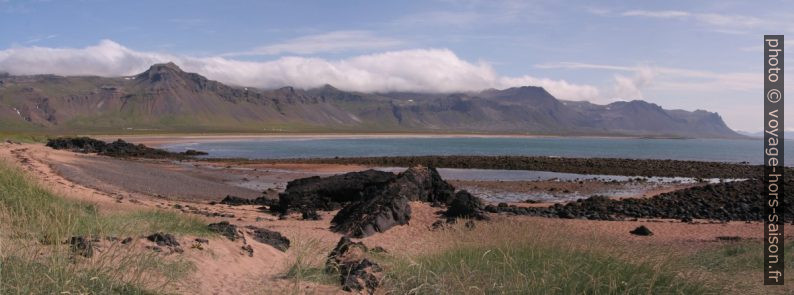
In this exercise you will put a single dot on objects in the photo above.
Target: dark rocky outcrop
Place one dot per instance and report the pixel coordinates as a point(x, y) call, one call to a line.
point(380, 210)
point(237, 201)
point(77, 144)
point(163, 239)
point(371, 201)
point(118, 148)
point(465, 205)
point(226, 229)
point(356, 272)
point(641, 231)
point(731, 201)
point(334, 192)
point(329, 193)
point(424, 184)
point(605, 166)
point(272, 238)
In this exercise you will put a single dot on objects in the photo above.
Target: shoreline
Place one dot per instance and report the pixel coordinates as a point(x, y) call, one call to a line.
point(158, 140)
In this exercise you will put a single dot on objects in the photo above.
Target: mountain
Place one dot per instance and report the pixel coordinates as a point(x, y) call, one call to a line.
point(164, 98)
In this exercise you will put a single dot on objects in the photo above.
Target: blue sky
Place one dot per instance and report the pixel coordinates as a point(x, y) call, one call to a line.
point(678, 54)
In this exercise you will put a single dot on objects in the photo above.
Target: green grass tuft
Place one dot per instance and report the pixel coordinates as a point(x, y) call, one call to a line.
point(35, 225)
point(528, 269)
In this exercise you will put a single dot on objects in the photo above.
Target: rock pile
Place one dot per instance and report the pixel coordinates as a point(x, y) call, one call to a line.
point(356, 272)
point(371, 201)
point(118, 148)
point(731, 201)
point(237, 201)
point(603, 166)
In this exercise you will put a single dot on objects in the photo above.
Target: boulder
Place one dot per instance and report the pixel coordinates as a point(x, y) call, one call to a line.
point(465, 205)
point(356, 272)
point(163, 239)
point(272, 238)
point(329, 193)
point(379, 211)
point(424, 184)
point(641, 231)
point(226, 229)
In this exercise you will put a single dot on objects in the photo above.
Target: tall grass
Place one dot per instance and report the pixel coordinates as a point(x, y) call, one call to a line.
point(35, 224)
point(528, 269)
point(738, 266)
point(37, 213)
point(519, 257)
point(307, 264)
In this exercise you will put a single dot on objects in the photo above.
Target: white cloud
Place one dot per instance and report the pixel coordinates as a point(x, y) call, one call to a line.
point(337, 41)
point(469, 13)
point(735, 24)
point(657, 14)
point(39, 39)
point(630, 88)
point(432, 70)
point(666, 78)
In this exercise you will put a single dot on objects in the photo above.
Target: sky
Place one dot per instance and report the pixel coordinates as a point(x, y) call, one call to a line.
point(678, 54)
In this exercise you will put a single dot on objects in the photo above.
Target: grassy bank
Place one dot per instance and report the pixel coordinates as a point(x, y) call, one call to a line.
point(36, 224)
point(512, 256)
point(512, 269)
point(508, 256)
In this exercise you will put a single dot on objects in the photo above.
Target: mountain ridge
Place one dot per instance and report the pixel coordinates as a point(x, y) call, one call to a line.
point(166, 98)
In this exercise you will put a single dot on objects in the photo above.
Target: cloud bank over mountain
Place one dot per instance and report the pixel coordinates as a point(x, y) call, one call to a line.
point(421, 70)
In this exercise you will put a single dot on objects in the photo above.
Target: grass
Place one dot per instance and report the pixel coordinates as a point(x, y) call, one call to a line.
point(42, 215)
point(308, 264)
point(509, 256)
point(737, 257)
point(737, 264)
point(23, 137)
point(35, 225)
point(508, 269)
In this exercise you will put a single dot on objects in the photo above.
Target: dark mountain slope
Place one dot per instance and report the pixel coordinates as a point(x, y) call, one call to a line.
point(168, 99)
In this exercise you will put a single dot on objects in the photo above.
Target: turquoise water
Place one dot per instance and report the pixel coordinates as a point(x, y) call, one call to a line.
point(718, 150)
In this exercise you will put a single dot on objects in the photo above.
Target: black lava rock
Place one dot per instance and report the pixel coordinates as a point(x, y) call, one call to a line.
point(466, 205)
point(379, 211)
point(269, 237)
point(356, 272)
point(163, 239)
point(118, 148)
point(641, 231)
point(226, 229)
